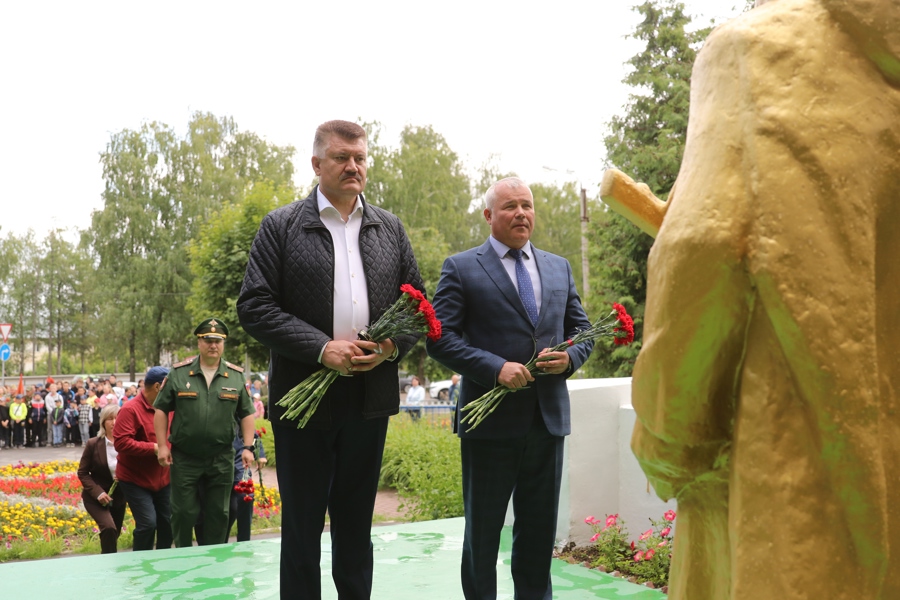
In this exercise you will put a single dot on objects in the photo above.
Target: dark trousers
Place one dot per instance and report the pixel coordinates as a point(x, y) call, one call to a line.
point(529, 469)
point(109, 521)
point(152, 513)
point(201, 483)
point(335, 469)
point(242, 512)
point(38, 433)
point(19, 433)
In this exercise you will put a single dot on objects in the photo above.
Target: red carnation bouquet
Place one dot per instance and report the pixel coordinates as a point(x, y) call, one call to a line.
point(617, 324)
point(411, 313)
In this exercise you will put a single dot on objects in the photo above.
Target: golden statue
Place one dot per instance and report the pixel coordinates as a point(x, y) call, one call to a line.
point(767, 387)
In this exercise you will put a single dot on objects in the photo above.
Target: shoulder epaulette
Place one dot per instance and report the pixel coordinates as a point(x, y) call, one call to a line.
point(184, 363)
point(234, 367)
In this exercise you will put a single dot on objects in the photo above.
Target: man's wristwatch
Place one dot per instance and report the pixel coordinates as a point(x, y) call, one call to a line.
point(250, 448)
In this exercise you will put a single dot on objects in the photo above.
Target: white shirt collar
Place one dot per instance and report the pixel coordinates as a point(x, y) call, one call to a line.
point(325, 205)
point(502, 249)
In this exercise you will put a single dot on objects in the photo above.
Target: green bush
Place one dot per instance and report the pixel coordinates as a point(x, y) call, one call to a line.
point(422, 462)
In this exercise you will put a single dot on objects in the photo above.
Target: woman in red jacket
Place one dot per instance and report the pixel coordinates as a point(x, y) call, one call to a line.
point(97, 475)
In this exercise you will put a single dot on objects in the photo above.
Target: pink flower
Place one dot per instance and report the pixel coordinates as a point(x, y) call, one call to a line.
point(669, 515)
point(590, 520)
point(639, 556)
point(594, 537)
point(649, 554)
point(611, 520)
point(665, 531)
point(662, 544)
point(632, 544)
point(646, 534)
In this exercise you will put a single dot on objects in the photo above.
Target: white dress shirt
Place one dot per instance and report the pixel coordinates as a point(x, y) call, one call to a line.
point(112, 456)
point(509, 263)
point(351, 296)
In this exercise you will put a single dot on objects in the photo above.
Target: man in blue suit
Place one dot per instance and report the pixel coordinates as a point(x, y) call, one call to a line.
point(499, 305)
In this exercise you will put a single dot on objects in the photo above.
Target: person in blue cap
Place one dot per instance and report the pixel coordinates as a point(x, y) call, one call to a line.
point(146, 483)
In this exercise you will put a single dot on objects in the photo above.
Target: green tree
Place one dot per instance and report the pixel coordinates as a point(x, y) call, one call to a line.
point(137, 237)
point(558, 222)
point(647, 143)
point(160, 190)
point(422, 182)
point(219, 258)
point(60, 280)
point(22, 300)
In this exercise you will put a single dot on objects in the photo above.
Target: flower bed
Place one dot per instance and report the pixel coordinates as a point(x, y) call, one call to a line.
point(645, 560)
point(41, 513)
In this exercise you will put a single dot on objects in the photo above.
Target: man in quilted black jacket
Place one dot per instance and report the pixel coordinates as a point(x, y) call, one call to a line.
point(320, 270)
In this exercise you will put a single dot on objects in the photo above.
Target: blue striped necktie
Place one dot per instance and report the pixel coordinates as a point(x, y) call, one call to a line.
point(526, 290)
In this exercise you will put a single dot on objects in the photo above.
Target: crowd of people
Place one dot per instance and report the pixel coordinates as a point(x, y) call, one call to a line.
point(120, 462)
point(65, 414)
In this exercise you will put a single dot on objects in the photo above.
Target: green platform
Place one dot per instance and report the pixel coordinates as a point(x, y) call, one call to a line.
point(414, 561)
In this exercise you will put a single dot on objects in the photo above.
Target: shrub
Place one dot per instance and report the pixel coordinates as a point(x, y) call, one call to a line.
point(648, 559)
point(422, 462)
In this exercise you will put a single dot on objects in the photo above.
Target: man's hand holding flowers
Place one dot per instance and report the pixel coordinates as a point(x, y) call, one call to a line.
point(617, 324)
point(515, 375)
point(411, 313)
point(552, 362)
point(357, 356)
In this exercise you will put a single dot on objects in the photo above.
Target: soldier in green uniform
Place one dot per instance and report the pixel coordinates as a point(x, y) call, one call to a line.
point(207, 395)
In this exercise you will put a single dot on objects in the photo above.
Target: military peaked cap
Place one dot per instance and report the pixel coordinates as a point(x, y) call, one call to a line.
point(212, 328)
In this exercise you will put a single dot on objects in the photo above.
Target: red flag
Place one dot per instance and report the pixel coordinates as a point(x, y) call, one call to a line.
point(21, 389)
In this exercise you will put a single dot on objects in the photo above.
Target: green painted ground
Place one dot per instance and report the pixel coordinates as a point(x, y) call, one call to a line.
point(415, 561)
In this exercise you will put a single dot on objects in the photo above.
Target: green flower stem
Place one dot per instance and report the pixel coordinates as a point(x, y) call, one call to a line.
point(481, 408)
point(401, 318)
point(303, 400)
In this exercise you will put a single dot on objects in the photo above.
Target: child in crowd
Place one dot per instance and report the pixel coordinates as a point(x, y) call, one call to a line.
point(37, 421)
point(85, 417)
point(57, 422)
point(71, 422)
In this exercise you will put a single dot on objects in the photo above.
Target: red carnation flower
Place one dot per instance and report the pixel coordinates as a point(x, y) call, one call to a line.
point(626, 326)
point(413, 292)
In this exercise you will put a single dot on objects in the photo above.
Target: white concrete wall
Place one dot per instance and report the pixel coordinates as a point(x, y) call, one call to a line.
point(601, 475)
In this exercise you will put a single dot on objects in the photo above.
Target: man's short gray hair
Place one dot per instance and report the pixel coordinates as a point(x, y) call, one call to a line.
point(342, 129)
point(491, 195)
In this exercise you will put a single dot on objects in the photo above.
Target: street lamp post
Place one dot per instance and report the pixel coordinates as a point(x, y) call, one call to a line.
point(585, 219)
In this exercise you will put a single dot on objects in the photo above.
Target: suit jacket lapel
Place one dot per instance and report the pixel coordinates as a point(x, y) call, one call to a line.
point(491, 264)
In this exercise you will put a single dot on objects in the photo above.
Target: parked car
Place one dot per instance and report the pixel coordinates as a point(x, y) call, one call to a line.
point(405, 381)
point(440, 390)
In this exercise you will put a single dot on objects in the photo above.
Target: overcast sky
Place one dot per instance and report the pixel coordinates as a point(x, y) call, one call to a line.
point(534, 86)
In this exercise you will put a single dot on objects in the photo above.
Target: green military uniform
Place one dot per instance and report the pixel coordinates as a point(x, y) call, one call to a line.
point(201, 434)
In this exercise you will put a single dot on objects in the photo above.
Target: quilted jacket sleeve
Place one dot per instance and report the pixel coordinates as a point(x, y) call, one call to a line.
point(260, 304)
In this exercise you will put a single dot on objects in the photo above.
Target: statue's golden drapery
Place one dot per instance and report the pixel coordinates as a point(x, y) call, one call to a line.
point(768, 383)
